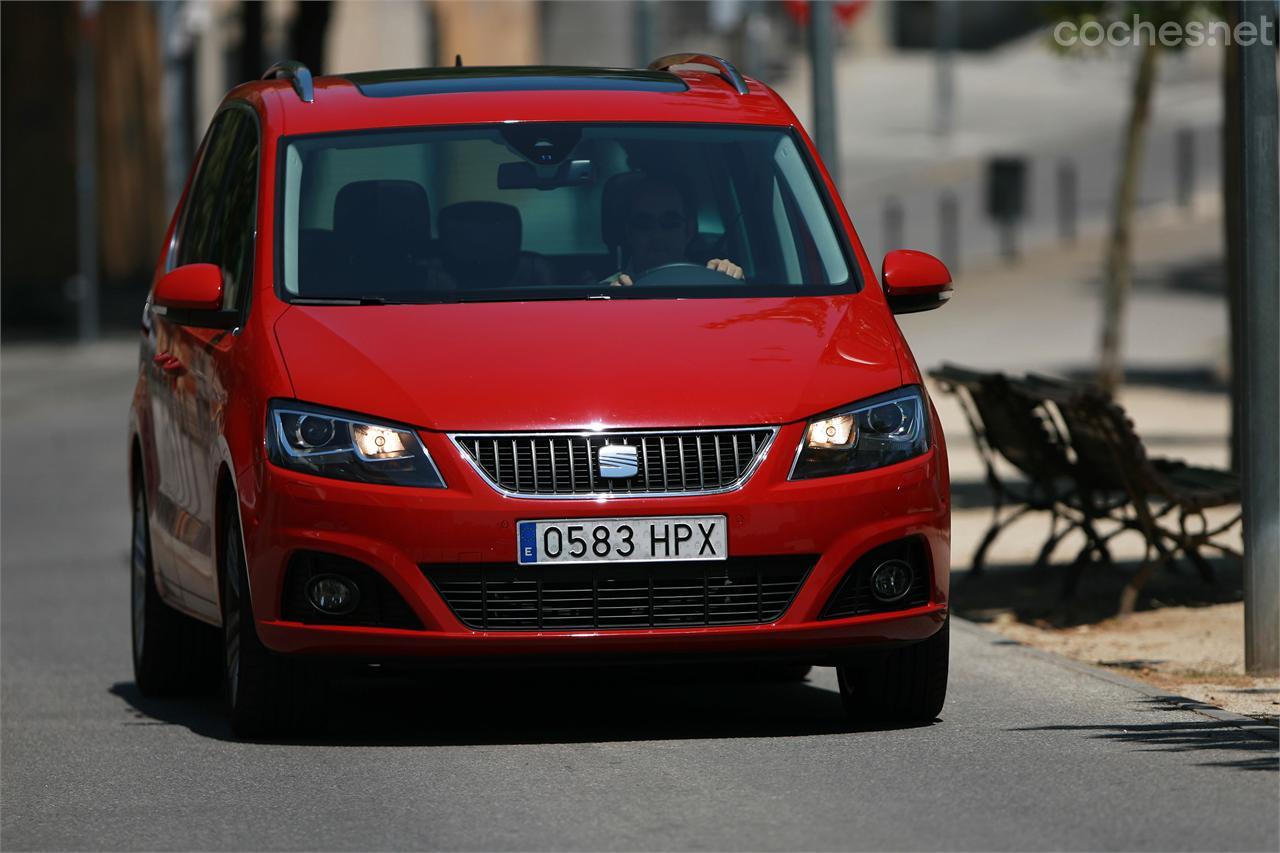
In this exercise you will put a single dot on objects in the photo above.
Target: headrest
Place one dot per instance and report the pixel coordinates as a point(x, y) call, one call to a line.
point(480, 241)
point(384, 211)
point(615, 199)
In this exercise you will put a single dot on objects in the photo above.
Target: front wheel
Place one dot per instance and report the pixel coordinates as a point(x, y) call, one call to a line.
point(903, 685)
point(267, 694)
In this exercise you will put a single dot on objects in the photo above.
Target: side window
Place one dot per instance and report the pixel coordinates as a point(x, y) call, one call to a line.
point(218, 226)
point(234, 226)
point(195, 242)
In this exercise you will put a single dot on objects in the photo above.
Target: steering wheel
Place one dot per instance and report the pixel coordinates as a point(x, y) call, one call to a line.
point(682, 272)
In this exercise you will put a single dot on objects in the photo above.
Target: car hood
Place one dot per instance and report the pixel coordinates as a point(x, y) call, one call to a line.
point(589, 364)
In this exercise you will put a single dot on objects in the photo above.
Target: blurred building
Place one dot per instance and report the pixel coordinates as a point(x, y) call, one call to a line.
point(156, 72)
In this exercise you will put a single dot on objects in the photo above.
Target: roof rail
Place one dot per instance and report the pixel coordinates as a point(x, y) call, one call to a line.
point(299, 74)
point(726, 69)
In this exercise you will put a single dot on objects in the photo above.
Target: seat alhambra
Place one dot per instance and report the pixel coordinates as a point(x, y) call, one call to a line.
point(537, 364)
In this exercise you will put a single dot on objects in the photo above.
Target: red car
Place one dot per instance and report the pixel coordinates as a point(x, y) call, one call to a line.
point(571, 365)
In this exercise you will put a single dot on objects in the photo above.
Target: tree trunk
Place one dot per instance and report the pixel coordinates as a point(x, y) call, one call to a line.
point(251, 65)
point(131, 214)
point(307, 35)
point(1118, 273)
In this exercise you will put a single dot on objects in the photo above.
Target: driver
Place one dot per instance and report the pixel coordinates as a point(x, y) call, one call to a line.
point(661, 221)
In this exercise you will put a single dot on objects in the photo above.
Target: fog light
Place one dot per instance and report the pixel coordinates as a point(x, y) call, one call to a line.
point(332, 595)
point(891, 580)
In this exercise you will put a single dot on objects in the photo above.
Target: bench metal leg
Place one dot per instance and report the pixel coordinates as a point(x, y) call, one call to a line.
point(979, 556)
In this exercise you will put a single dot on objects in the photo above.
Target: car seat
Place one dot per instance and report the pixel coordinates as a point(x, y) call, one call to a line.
point(480, 247)
point(382, 237)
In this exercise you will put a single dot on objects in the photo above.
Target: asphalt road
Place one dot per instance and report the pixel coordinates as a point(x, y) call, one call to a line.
point(1029, 754)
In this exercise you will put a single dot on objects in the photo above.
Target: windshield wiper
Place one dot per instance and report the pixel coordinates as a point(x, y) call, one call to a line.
point(341, 300)
point(531, 297)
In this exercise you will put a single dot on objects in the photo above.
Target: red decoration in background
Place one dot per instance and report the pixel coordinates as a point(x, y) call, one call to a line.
point(846, 10)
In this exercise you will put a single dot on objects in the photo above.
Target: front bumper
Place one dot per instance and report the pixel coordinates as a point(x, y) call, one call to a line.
point(396, 530)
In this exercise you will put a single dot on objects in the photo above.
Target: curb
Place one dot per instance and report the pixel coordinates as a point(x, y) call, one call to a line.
point(1254, 727)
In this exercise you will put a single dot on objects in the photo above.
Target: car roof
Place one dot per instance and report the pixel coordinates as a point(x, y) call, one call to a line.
point(483, 94)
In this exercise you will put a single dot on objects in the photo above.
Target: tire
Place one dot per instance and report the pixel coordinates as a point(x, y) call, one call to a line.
point(266, 694)
point(172, 653)
point(903, 685)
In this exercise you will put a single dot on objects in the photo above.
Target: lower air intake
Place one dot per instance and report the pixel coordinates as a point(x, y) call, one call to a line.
point(503, 597)
point(378, 605)
point(855, 596)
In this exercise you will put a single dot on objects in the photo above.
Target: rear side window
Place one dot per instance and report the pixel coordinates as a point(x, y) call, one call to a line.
point(234, 228)
point(218, 225)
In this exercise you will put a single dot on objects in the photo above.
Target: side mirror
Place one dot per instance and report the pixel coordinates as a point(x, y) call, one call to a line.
point(194, 287)
point(914, 281)
point(191, 295)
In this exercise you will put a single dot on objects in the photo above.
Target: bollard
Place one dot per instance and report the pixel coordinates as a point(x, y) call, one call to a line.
point(1068, 201)
point(949, 230)
point(893, 219)
point(1007, 200)
point(1185, 168)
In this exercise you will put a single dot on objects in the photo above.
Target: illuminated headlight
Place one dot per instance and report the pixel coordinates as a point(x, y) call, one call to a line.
point(329, 443)
point(377, 442)
point(870, 434)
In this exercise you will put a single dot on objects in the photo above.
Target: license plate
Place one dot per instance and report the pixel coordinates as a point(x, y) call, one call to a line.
point(610, 540)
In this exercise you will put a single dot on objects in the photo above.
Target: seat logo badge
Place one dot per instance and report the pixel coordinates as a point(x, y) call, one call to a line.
point(618, 461)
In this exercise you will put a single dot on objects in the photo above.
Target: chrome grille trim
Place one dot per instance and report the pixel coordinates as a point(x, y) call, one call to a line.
point(655, 447)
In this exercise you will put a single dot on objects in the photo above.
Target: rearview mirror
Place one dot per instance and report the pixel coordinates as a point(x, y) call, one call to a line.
point(191, 295)
point(914, 281)
point(526, 176)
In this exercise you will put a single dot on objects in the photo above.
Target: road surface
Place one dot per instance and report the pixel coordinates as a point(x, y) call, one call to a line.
point(1029, 754)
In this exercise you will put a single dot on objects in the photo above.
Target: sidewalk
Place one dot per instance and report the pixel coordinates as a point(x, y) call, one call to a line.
point(1043, 315)
point(1020, 100)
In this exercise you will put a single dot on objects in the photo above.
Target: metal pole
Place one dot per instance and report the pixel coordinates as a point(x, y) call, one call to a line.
point(822, 35)
point(86, 286)
point(642, 31)
point(755, 36)
point(946, 14)
point(1260, 253)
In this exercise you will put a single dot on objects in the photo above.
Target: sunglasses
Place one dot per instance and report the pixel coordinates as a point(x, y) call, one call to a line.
point(645, 222)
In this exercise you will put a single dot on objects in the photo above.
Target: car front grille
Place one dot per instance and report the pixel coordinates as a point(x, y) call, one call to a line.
point(550, 465)
point(503, 597)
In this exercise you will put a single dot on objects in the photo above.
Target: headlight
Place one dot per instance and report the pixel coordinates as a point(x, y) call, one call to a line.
point(333, 444)
point(880, 431)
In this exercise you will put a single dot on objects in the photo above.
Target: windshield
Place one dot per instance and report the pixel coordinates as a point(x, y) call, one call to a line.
point(554, 211)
